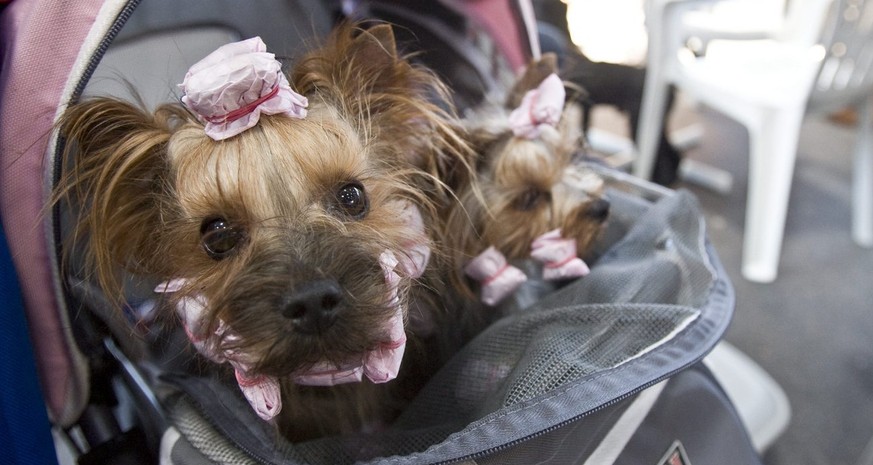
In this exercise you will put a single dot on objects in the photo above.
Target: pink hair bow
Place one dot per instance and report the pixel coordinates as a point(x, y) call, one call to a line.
point(262, 392)
point(540, 106)
point(381, 364)
point(497, 276)
point(230, 89)
point(558, 256)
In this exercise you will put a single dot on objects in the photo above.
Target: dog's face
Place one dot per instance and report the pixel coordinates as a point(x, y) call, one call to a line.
point(281, 229)
point(533, 185)
point(288, 230)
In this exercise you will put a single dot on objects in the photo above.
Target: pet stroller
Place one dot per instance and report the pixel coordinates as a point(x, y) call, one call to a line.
point(609, 369)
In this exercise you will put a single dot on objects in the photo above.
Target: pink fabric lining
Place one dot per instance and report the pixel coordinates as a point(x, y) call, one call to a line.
point(499, 21)
point(37, 58)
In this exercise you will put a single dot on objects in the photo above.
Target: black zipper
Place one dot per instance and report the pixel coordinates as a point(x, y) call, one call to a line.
point(264, 461)
point(113, 31)
point(564, 423)
point(58, 162)
point(717, 283)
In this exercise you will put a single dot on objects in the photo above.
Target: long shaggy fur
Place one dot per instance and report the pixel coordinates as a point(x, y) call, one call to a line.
point(144, 185)
point(529, 186)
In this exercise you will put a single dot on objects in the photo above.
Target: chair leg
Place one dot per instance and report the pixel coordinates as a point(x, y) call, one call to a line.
point(862, 174)
point(773, 150)
point(650, 123)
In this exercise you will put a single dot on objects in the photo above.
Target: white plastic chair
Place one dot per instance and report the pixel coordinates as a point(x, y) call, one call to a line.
point(735, 19)
point(819, 59)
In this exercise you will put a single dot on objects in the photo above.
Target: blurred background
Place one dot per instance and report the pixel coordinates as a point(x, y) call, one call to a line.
point(811, 326)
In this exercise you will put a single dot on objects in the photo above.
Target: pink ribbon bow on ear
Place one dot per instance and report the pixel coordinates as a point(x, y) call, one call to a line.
point(558, 256)
point(262, 392)
point(497, 277)
point(230, 88)
point(540, 106)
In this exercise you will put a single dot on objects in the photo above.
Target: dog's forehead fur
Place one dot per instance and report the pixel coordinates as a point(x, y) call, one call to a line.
point(525, 163)
point(275, 169)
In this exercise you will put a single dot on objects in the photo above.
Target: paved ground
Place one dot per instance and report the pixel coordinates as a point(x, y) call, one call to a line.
point(812, 329)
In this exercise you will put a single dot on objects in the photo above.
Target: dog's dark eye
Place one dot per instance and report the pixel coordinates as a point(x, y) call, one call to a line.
point(530, 199)
point(219, 237)
point(351, 200)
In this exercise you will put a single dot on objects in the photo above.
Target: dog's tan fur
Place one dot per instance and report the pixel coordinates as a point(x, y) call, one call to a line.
point(147, 183)
point(524, 182)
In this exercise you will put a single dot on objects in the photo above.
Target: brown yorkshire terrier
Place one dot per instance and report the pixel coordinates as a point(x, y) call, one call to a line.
point(539, 202)
point(292, 220)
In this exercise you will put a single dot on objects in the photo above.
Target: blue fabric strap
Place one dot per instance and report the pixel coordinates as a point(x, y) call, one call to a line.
point(24, 427)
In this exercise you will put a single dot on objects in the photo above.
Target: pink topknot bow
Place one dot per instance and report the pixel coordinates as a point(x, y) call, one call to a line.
point(497, 276)
point(230, 88)
point(558, 256)
point(539, 106)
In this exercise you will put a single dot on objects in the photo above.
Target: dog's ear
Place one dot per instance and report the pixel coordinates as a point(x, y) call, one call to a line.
point(483, 139)
point(404, 108)
point(534, 74)
point(116, 175)
point(570, 128)
point(355, 64)
point(376, 44)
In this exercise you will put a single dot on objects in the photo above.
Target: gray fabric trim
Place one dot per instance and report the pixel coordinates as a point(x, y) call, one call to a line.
point(200, 443)
point(625, 427)
point(694, 410)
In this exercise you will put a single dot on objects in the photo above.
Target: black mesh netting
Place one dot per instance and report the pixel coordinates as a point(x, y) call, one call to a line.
point(653, 303)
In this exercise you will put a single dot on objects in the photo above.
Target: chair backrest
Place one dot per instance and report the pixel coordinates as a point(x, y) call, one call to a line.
point(846, 73)
point(804, 21)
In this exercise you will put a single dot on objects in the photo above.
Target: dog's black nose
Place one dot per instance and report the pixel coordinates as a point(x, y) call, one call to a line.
point(598, 209)
point(313, 306)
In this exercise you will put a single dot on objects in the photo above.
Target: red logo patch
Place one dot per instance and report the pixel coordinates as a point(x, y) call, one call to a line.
point(675, 455)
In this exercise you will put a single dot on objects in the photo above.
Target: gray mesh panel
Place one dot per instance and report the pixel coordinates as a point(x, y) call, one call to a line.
point(200, 434)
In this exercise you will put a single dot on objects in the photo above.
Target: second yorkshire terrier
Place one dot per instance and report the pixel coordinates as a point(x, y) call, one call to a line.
point(290, 220)
point(539, 202)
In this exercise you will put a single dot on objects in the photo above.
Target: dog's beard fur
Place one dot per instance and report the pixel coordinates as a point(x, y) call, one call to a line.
point(148, 185)
point(529, 186)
